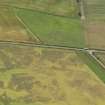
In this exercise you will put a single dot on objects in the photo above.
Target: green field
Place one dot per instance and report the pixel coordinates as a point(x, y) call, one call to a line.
point(54, 30)
point(56, 7)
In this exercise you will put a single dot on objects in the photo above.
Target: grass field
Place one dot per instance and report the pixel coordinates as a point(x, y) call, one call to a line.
point(11, 29)
point(39, 76)
point(56, 7)
point(54, 30)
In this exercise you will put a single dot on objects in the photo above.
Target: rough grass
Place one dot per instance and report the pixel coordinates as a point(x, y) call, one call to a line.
point(56, 7)
point(54, 30)
point(11, 29)
point(60, 73)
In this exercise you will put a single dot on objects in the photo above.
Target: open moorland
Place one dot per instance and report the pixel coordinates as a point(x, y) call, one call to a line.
point(48, 52)
point(39, 76)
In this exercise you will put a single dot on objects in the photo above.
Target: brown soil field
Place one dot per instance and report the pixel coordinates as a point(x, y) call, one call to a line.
point(95, 35)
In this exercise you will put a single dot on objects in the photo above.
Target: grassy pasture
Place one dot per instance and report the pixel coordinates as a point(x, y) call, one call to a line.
point(56, 7)
point(54, 30)
point(26, 71)
point(11, 29)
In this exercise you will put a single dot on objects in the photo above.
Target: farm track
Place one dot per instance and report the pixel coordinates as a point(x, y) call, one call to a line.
point(51, 46)
point(87, 50)
point(41, 45)
point(81, 4)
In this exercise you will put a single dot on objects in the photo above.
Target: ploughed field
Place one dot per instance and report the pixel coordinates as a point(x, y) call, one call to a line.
point(95, 23)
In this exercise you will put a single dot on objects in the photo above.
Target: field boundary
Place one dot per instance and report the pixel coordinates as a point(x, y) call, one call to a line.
point(40, 45)
point(26, 27)
point(29, 9)
point(34, 35)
